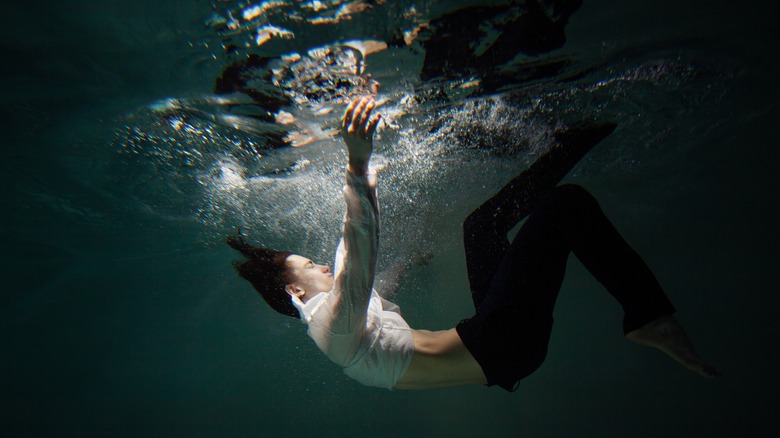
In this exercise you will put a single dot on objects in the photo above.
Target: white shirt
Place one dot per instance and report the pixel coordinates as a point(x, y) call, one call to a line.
point(355, 327)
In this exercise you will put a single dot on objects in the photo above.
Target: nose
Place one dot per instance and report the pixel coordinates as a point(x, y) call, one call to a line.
point(325, 269)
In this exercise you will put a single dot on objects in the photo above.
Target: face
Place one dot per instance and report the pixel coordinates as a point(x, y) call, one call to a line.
point(307, 278)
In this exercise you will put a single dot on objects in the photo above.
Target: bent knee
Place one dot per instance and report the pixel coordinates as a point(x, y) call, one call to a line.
point(572, 197)
point(570, 192)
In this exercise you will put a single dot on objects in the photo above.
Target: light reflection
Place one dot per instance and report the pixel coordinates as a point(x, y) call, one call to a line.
point(266, 33)
point(422, 147)
point(252, 12)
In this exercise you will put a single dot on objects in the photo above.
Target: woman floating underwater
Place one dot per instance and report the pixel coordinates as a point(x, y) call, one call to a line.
point(514, 285)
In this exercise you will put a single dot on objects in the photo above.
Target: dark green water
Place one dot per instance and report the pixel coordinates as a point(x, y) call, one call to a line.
point(121, 315)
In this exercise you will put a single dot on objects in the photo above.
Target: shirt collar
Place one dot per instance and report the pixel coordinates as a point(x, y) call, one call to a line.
point(308, 308)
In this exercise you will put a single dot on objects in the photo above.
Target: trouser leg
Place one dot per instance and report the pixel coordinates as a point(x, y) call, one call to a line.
point(611, 260)
point(568, 220)
point(511, 330)
point(485, 229)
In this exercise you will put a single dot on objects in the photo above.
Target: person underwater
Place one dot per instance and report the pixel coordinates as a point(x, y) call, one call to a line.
point(514, 284)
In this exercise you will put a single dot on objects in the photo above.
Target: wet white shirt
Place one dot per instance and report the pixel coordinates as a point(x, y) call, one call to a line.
point(355, 327)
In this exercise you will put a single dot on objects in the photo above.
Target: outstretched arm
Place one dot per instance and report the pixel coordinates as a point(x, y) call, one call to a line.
point(357, 254)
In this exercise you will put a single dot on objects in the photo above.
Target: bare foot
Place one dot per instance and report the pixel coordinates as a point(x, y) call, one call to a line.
point(667, 335)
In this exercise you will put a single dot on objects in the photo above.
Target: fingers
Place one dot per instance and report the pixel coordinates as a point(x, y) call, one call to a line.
point(358, 118)
point(346, 121)
point(358, 114)
point(366, 115)
point(372, 124)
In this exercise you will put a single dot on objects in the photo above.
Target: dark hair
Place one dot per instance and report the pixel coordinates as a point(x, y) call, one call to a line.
point(267, 271)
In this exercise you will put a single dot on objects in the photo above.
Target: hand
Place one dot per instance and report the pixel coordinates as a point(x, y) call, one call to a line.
point(357, 129)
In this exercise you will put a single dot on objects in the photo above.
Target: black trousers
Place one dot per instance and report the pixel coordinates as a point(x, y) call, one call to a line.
point(515, 285)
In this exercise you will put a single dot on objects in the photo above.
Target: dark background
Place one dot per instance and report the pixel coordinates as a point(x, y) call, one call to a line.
point(115, 321)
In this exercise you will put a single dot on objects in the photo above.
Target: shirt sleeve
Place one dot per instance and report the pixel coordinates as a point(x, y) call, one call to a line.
point(357, 254)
